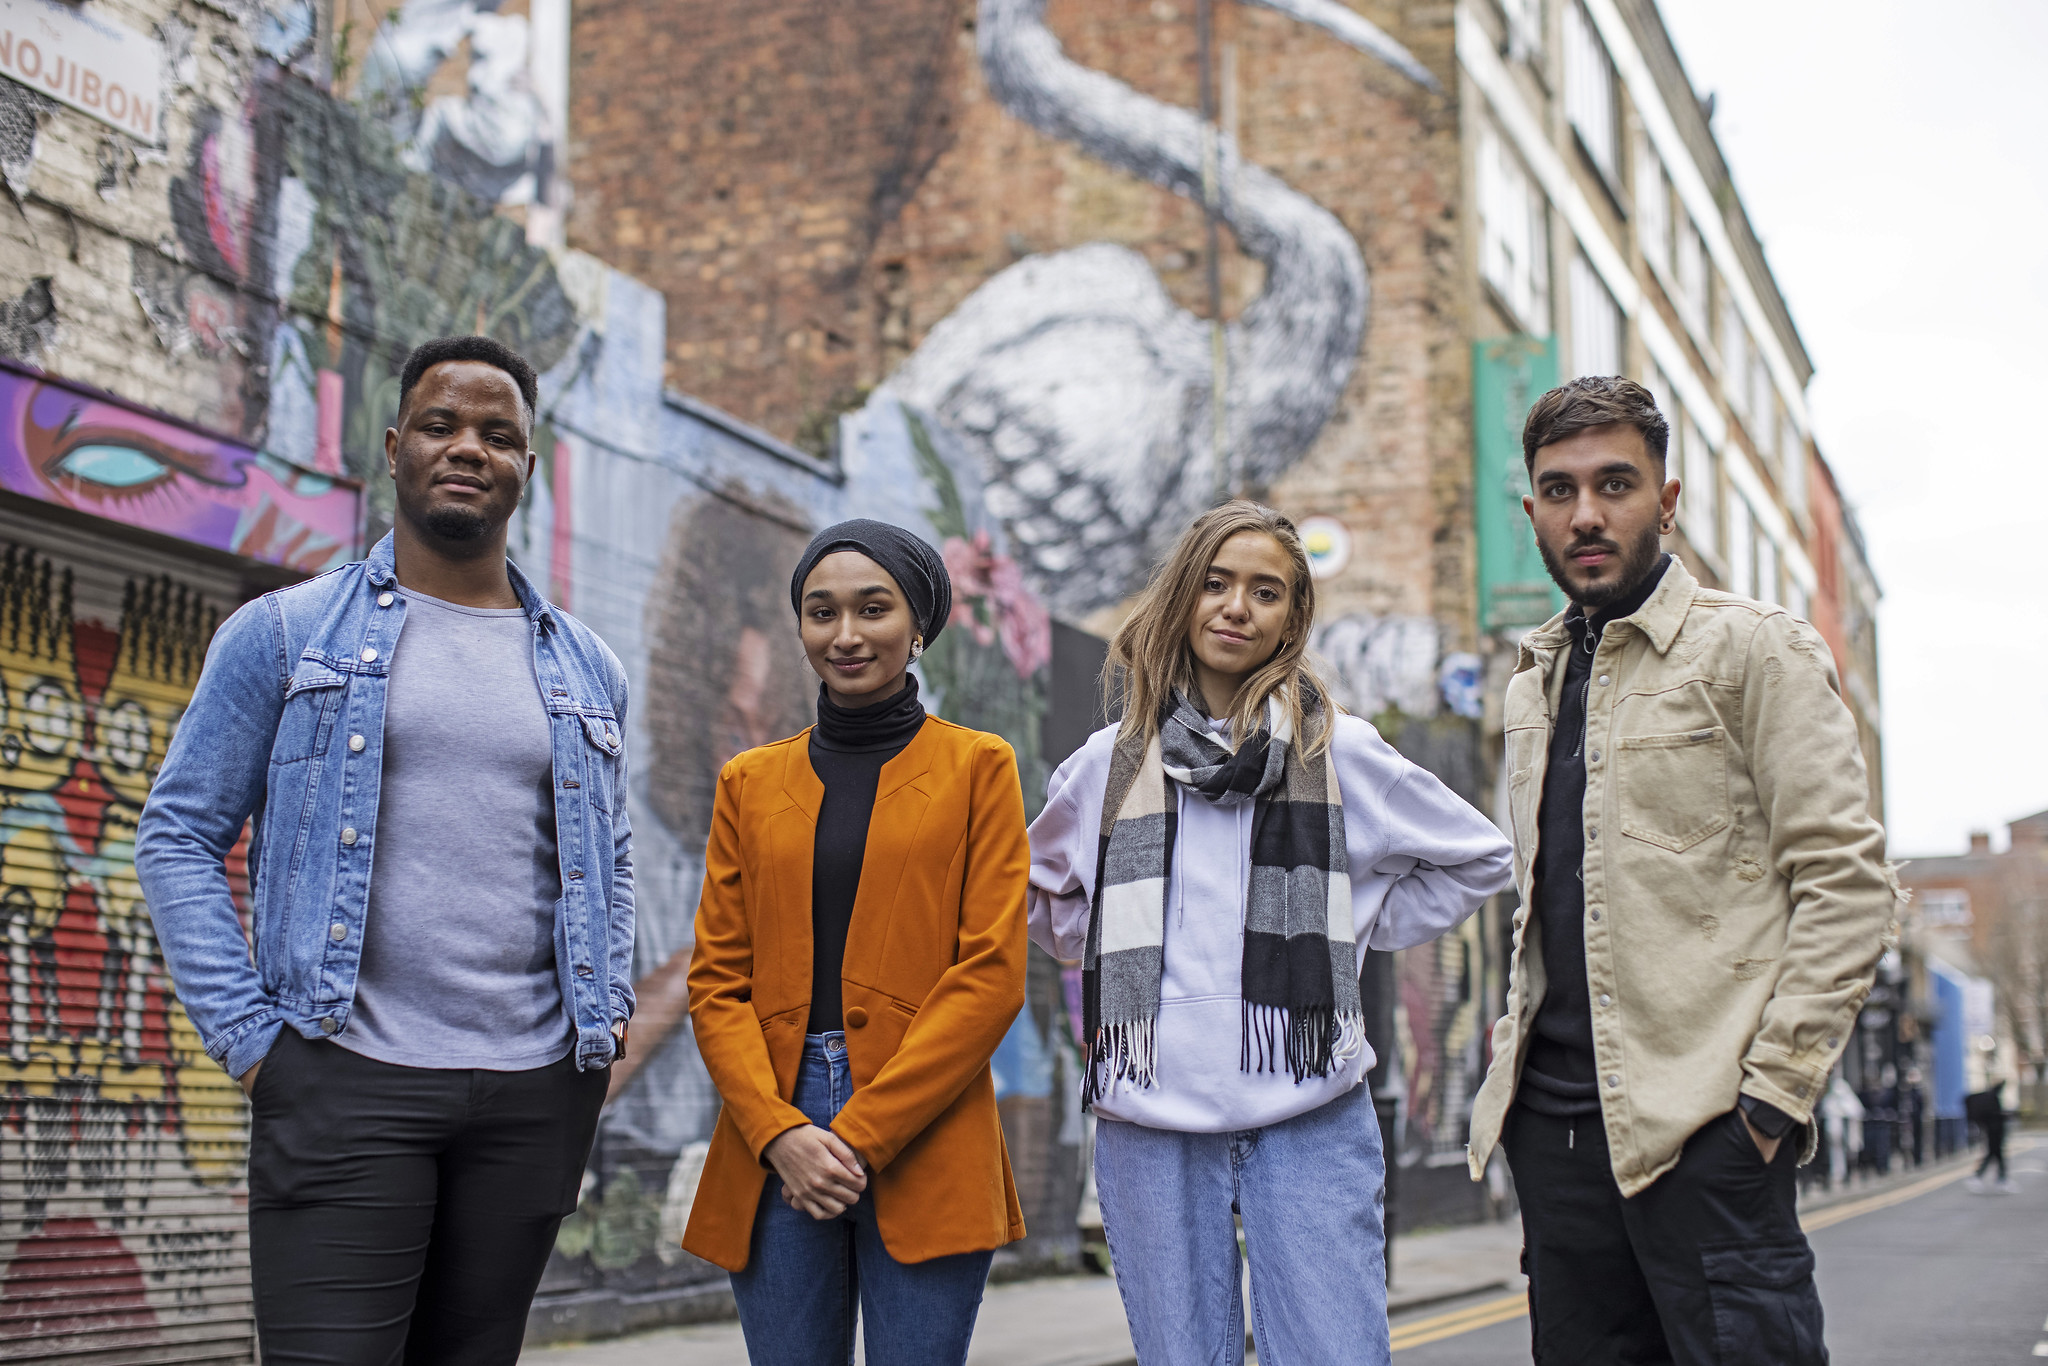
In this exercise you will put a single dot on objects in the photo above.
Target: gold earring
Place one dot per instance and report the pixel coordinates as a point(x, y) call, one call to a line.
point(917, 647)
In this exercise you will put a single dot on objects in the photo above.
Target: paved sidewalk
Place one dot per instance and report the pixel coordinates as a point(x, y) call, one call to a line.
point(1078, 1320)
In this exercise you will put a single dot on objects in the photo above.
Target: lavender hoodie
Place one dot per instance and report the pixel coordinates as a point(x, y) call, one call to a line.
point(1421, 861)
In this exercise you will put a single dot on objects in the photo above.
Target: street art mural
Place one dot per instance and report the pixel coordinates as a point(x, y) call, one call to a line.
point(496, 139)
point(121, 1143)
point(312, 260)
point(1105, 415)
point(66, 445)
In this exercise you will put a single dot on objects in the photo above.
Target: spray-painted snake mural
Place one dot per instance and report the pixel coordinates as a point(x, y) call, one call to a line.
point(1088, 394)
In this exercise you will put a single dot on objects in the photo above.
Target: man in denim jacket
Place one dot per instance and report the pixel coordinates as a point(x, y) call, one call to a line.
point(443, 917)
point(1704, 902)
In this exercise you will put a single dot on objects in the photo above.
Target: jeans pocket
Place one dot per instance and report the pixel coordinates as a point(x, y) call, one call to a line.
point(1766, 1307)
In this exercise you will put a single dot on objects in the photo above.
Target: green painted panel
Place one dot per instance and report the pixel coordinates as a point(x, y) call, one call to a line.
point(1508, 374)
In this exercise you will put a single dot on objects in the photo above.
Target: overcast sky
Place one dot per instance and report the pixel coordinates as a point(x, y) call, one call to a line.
point(1894, 160)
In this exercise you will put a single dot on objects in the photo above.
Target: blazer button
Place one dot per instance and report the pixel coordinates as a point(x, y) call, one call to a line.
point(856, 1017)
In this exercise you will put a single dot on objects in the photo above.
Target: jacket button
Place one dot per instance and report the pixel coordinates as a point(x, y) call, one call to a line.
point(1596, 756)
point(583, 969)
point(330, 1025)
point(856, 1017)
point(1614, 1079)
point(356, 742)
point(1596, 917)
point(369, 654)
point(348, 836)
point(575, 875)
point(1833, 1041)
point(1603, 680)
point(1605, 999)
point(1594, 833)
point(384, 599)
point(337, 931)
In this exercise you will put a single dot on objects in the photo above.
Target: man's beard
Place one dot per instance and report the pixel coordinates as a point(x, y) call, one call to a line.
point(1635, 563)
point(455, 523)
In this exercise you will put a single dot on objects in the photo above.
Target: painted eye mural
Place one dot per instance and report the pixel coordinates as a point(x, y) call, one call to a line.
point(112, 466)
point(124, 734)
point(53, 721)
point(60, 443)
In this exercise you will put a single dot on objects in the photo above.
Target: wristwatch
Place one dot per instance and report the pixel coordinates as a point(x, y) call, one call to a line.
point(1766, 1118)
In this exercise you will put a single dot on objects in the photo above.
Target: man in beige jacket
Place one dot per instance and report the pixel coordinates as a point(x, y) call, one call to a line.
point(1704, 901)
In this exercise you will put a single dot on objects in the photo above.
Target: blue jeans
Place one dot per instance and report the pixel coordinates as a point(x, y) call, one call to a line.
point(798, 1294)
point(1310, 1191)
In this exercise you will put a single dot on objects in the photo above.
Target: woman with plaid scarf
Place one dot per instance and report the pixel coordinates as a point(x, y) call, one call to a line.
point(1215, 860)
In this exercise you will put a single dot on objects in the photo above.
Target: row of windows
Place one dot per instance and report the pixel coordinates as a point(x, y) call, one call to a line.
point(1514, 219)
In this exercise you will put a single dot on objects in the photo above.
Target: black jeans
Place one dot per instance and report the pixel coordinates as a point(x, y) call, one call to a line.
point(1708, 1267)
point(405, 1214)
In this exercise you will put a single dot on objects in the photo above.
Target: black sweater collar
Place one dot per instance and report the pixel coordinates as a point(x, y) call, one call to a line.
point(856, 730)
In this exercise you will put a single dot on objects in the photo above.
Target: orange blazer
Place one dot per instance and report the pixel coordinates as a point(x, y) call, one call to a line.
point(933, 979)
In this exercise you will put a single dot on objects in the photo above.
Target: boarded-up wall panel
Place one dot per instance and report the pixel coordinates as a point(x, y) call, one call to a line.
point(123, 1210)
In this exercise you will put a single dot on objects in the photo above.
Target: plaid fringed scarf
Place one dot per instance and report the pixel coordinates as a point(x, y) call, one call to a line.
point(1301, 1005)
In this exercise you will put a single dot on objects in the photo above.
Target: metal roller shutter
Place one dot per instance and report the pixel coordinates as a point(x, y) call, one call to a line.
point(123, 1208)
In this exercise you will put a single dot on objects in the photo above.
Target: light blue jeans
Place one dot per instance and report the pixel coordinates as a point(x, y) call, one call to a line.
point(1310, 1191)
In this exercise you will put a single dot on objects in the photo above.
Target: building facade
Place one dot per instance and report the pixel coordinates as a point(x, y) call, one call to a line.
point(1986, 913)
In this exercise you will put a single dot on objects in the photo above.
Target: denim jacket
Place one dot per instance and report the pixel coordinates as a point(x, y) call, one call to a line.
point(287, 725)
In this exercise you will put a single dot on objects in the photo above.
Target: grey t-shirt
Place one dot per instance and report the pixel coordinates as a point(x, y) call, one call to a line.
point(458, 966)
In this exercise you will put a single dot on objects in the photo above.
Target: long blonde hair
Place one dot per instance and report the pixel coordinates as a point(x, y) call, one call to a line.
point(1150, 659)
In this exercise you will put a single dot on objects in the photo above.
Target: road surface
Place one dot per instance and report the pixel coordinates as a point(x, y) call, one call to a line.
point(1924, 1273)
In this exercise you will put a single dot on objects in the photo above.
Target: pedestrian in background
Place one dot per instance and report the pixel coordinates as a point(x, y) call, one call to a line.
point(1986, 1109)
point(1216, 859)
point(443, 917)
point(1704, 906)
point(1913, 1107)
point(860, 953)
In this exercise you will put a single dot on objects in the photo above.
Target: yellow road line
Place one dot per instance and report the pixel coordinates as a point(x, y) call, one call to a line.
point(1836, 1214)
point(1469, 1319)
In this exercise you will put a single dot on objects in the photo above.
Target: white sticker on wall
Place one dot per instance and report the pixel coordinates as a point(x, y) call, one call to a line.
point(1328, 543)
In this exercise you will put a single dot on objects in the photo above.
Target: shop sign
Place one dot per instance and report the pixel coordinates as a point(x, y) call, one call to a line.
point(99, 68)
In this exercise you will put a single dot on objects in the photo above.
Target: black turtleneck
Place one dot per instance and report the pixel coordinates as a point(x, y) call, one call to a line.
point(848, 748)
point(1558, 1074)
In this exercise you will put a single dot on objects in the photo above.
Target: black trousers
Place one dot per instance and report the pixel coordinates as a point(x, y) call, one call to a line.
point(1994, 1143)
point(405, 1214)
point(1708, 1267)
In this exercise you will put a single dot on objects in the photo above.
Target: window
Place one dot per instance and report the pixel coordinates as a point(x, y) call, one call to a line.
point(1792, 450)
point(1763, 402)
point(1653, 207)
point(1596, 323)
point(1514, 237)
point(1766, 568)
point(1589, 98)
point(1699, 498)
point(1795, 599)
point(1741, 548)
point(1525, 27)
point(1734, 356)
point(1692, 279)
point(1944, 908)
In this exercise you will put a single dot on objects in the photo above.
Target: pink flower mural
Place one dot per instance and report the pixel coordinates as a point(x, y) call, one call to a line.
point(991, 602)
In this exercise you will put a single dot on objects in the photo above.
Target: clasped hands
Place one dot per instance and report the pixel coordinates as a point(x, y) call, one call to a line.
point(821, 1175)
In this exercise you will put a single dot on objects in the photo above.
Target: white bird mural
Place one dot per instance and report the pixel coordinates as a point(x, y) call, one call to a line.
point(1088, 394)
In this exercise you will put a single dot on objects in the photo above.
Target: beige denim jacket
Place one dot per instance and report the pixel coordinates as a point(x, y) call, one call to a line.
point(1737, 898)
